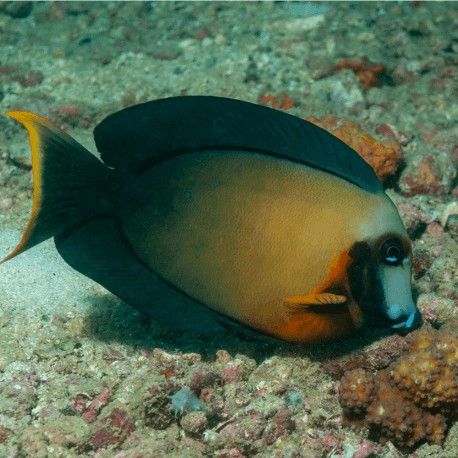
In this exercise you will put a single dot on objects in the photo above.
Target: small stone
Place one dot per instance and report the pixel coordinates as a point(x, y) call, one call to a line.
point(194, 423)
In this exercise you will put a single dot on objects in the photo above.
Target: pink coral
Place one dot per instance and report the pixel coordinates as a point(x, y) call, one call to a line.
point(372, 357)
point(280, 424)
point(111, 430)
point(204, 377)
point(101, 401)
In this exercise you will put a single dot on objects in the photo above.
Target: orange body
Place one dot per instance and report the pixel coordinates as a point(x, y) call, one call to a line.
point(243, 232)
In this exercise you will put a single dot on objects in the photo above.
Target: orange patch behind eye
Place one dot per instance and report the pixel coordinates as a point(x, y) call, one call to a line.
point(338, 272)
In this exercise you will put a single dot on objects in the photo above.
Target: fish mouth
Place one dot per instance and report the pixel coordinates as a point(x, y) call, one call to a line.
point(402, 324)
point(399, 310)
point(411, 322)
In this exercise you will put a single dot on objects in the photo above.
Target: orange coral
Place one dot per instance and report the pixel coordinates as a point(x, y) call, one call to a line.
point(286, 103)
point(168, 372)
point(357, 391)
point(383, 156)
point(411, 400)
point(368, 73)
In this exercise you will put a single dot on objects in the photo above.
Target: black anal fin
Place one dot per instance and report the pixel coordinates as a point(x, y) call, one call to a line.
point(100, 251)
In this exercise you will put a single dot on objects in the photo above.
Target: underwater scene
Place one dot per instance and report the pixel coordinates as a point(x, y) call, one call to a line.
point(229, 229)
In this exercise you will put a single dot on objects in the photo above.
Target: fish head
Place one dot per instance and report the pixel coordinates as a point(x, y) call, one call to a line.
point(380, 276)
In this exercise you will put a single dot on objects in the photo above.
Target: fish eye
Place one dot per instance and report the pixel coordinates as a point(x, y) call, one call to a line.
point(392, 252)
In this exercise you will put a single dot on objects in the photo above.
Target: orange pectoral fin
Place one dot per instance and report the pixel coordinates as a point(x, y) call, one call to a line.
point(316, 299)
point(309, 325)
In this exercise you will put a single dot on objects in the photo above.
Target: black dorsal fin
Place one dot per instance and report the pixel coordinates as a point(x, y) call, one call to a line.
point(137, 137)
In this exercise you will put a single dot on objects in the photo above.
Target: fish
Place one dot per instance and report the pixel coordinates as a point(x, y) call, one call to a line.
point(209, 213)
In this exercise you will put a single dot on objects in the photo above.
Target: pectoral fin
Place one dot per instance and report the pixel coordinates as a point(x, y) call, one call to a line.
point(317, 299)
point(321, 317)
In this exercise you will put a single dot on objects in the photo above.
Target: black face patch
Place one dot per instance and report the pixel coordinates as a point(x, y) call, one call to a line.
point(365, 288)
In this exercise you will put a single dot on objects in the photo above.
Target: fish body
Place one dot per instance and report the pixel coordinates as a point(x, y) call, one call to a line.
point(219, 229)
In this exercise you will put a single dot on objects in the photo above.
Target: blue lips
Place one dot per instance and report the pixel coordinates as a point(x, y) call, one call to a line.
point(413, 319)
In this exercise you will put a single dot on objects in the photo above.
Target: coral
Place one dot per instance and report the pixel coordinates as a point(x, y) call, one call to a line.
point(425, 177)
point(374, 356)
point(413, 399)
point(168, 372)
point(365, 449)
point(235, 370)
point(111, 430)
point(203, 378)
point(93, 410)
point(157, 415)
point(368, 73)
point(383, 156)
point(280, 425)
point(357, 391)
point(365, 72)
point(430, 172)
point(286, 102)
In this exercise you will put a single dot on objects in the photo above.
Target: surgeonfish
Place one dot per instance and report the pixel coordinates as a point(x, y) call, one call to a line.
point(208, 213)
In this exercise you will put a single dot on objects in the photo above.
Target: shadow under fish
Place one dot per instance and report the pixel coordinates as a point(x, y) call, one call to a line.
point(208, 213)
